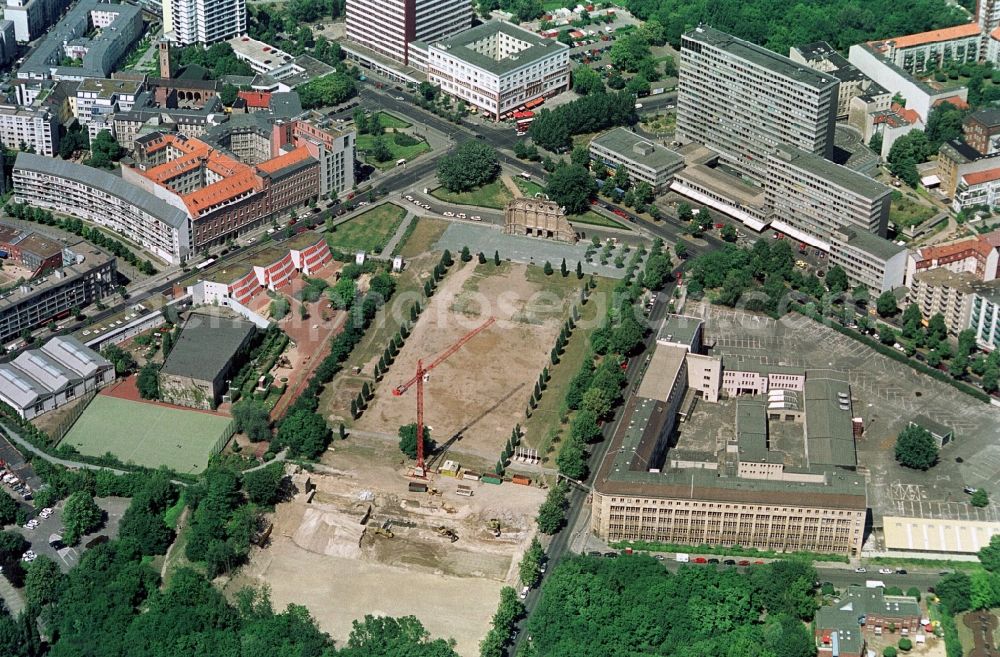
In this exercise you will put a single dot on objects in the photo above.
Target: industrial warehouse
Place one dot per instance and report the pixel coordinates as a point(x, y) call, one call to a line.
point(771, 466)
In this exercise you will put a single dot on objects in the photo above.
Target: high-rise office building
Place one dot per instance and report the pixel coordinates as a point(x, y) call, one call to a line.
point(742, 100)
point(388, 26)
point(203, 21)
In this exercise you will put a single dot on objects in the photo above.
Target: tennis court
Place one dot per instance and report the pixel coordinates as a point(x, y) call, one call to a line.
point(147, 434)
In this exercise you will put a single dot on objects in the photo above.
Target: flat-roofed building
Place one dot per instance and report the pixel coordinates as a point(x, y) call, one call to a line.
point(741, 100)
point(58, 372)
point(154, 222)
point(212, 344)
point(96, 34)
point(643, 159)
point(87, 276)
point(927, 51)
point(942, 535)
point(98, 99)
point(867, 259)
point(30, 18)
point(498, 67)
point(387, 27)
point(187, 22)
point(940, 291)
point(978, 255)
point(22, 128)
point(839, 627)
point(823, 57)
point(811, 197)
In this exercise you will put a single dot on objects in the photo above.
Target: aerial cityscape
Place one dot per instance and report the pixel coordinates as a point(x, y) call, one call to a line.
point(506, 328)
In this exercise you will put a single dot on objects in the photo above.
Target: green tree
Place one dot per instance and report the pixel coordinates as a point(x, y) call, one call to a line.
point(886, 304)
point(42, 581)
point(905, 644)
point(552, 512)
point(8, 509)
point(228, 94)
point(408, 440)
point(530, 566)
point(980, 498)
point(547, 268)
point(264, 486)
point(472, 165)
point(915, 448)
point(943, 124)
point(836, 280)
point(889, 651)
point(571, 187)
point(104, 151)
point(466, 254)
point(628, 51)
point(989, 555)
point(586, 80)
point(304, 432)
point(906, 153)
point(148, 381)
point(80, 516)
point(332, 89)
point(253, 419)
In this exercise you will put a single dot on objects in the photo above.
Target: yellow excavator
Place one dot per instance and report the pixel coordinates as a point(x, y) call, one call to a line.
point(494, 526)
point(447, 533)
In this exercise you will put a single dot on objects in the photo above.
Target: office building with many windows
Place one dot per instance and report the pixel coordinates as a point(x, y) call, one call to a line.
point(386, 27)
point(186, 22)
point(742, 100)
point(644, 159)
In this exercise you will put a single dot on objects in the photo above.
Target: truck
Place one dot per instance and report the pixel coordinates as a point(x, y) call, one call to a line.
point(683, 557)
point(874, 584)
point(416, 487)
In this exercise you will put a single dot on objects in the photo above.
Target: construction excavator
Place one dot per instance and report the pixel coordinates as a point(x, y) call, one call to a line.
point(494, 525)
point(384, 529)
point(447, 533)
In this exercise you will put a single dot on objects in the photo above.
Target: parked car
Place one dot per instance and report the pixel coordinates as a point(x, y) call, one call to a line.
point(969, 490)
point(901, 571)
point(885, 571)
point(524, 592)
point(713, 561)
point(730, 562)
point(861, 570)
point(700, 560)
point(743, 562)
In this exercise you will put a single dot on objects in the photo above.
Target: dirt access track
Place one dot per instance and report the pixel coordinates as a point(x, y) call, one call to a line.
point(482, 390)
point(322, 556)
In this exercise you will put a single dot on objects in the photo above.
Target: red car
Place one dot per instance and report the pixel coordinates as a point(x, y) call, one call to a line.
point(700, 560)
point(744, 562)
point(620, 213)
point(759, 563)
point(719, 225)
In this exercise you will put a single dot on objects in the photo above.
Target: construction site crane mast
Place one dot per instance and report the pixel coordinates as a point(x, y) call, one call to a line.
point(419, 378)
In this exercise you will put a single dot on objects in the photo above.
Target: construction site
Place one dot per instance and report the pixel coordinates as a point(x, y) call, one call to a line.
point(356, 540)
point(475, 396)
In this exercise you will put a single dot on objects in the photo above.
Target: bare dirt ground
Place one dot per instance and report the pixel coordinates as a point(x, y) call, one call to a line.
point(325, 554)
point(483, 389)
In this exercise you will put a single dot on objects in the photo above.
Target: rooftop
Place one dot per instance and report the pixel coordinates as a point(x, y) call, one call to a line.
point(870, 243)
point(631, 146)
point(844, 178)
point(104, 181)
point(464, 46)
point(965, 30)
point(208, 342)
point(931, 425)
point(106, 88)
point(937, 534)
point(981, 177)
point(258, 51)
point(284, 164)
point(679, 329)
point(829, 426)
point(963, 282)
point(988, 116)
point(39, 245)
point(664, 366)
point(761, 57)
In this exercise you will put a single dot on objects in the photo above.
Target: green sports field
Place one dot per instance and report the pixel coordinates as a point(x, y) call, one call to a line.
point(150, 435)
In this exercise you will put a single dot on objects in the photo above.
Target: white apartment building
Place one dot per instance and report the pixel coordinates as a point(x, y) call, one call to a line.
point(203, 21)
point(939, 291)
point(927, 51)
point(97, 100)
point(22, 128)
point(977, 188)
point(498, 67)
point(386, 27)
point(868, 259)
point(811, 197)
point(984, 318)
point(93, 195)
point(742, 100)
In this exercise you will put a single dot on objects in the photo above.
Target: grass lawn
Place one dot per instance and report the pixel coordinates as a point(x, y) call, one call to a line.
point(423, 234)
point(543, 427)
point(151, 435)
point(594, 219)
point(398, 152)
point(905, 212)
point(392, 121)
point(369, 231)
point(494, 195)
point(527, 187)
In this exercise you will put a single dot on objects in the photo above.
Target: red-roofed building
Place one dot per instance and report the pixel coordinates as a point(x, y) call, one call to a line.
point(978, 256)
point(256, 100)
point(977, 188)
point(926, 51)
point(223, 196)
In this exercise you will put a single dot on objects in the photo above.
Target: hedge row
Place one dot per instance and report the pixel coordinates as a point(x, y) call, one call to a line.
point(734, 550)
point(895, 355)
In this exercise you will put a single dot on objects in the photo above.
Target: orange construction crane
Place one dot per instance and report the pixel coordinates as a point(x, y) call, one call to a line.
point(419, 378)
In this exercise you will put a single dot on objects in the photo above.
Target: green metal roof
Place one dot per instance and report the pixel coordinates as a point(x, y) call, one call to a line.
point(829, 429)
point(207, 344)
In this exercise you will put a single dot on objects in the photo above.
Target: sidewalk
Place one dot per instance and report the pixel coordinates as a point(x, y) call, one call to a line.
point(398, 235)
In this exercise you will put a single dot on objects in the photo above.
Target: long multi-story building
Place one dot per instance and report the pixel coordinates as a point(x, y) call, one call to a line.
point(749, 492)
point(742, 100)
point(95, 34)
point(927, 51)
point(32, 17)
point(498, 67)
point(643, 159)
point(88, 275)
point(867, 259)
point(386, 27)
point(186, 22)
point(153, 222)
point(22, 128)
point(810, 197)
point(949, 294)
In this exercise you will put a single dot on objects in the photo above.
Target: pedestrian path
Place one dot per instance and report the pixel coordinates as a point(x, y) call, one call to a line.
point(398, 235)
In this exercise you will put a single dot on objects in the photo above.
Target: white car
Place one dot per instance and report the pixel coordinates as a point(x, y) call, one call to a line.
point(31, 524)
point(476, 217)
point(885, 571)
point(408, 197)
point(449, 214)
point(362, 204)
point(524, 593)
point(416, 201)
point(425, 206)
point(861, 570)
point(46, 512)
point(461, 215)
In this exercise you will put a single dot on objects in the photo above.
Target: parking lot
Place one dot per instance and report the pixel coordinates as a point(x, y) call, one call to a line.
point(886, 395)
